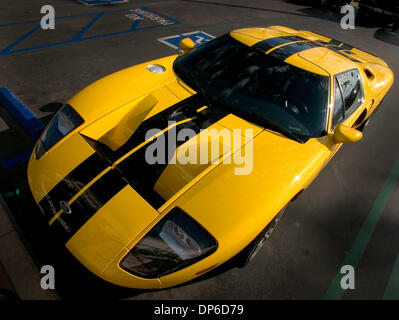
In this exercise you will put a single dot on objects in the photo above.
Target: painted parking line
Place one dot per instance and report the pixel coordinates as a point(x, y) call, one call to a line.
point(199, 38)
point(11, 162)
point(392, 290)
point(24, 117)
point(363, 237)
point(87, 27)
point(141, 14)
point(21, 113)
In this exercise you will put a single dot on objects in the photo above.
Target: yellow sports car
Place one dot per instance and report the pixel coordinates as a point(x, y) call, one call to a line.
point(123, 172)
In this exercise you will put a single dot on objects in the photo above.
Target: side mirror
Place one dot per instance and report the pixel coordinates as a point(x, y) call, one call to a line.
point(344, 134)
point(186, 45)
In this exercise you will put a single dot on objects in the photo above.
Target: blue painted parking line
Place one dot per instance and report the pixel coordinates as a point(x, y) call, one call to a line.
point(19, 40)
point(199, 38)
point(21, 113)
point(84, 30)
point(9, 163)
point(98, 2)
point(159, 19)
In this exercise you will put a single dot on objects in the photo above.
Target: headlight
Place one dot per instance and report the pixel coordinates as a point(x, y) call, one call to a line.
point(174, 243)
point(62, 123)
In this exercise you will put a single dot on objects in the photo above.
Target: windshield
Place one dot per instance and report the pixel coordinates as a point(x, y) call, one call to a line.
point(258, 87)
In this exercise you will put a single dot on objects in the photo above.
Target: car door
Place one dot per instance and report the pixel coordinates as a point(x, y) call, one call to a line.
point(348, 98)
point(348, 92)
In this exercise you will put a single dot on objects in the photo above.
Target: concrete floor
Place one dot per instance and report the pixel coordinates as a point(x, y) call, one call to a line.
point(308, 248)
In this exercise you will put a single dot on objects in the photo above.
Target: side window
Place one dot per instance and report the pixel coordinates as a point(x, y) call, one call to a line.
point(348, 95)
point(351, 90)
point(338, 113)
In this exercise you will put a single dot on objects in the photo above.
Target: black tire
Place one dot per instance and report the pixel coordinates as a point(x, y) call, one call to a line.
point(250, 251)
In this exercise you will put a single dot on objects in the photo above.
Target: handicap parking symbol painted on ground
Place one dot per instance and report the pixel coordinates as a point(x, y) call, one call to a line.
point(199, 38)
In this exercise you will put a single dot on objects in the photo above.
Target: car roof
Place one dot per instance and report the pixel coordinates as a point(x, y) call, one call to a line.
point(307, 50)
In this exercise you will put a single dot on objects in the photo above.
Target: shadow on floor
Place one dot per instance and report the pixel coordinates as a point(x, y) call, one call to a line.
point(387, 35)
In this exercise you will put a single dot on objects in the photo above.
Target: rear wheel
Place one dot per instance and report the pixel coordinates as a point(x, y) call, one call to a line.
point(249, 252)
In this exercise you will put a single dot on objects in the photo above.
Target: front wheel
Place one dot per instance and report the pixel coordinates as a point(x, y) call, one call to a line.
point(250, 251)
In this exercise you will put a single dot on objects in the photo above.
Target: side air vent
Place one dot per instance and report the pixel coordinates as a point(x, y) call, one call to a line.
point(370, 75)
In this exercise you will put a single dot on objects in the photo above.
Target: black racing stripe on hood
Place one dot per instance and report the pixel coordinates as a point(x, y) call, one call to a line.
point(342, 52)
point(159, 120)
point(340, 48)
point(266, 45)
point(134, 170)
point(68, 187)
point(288, 50)
point(335, 42)
point(346, 46)
point(141, 175)
point(89, 202)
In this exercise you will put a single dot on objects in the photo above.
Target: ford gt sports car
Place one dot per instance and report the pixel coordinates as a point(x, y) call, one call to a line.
point(141, 224)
